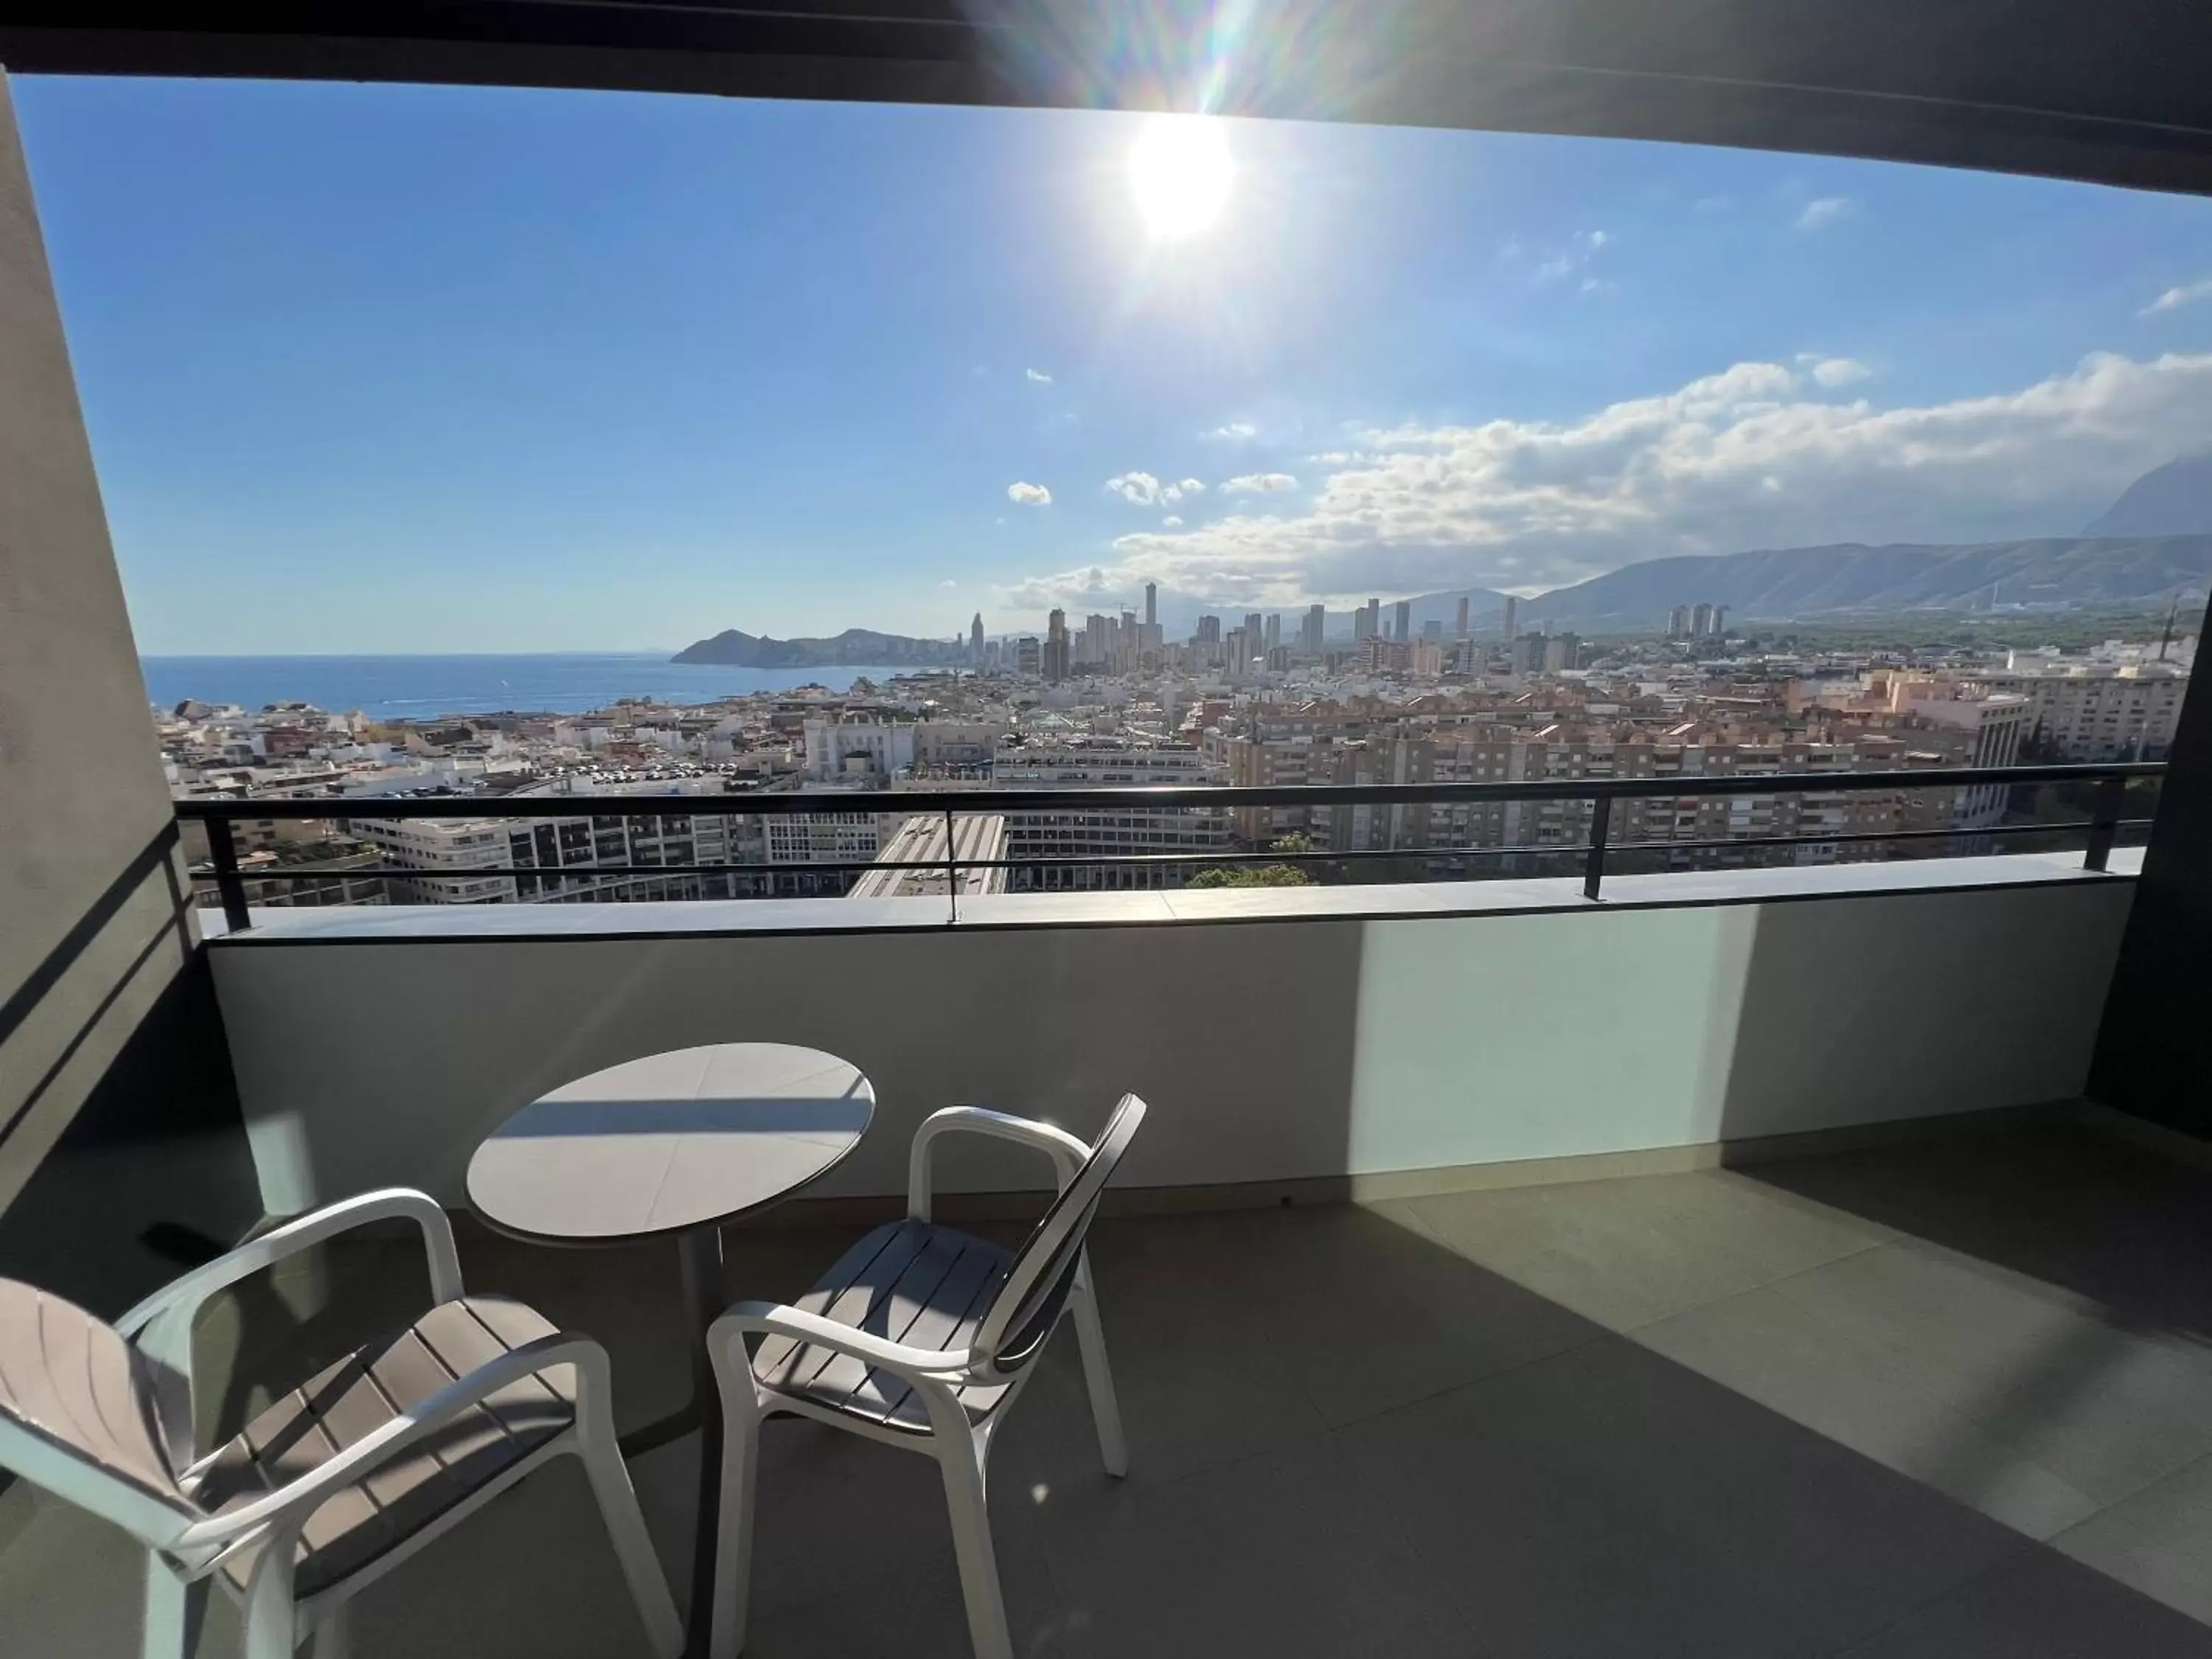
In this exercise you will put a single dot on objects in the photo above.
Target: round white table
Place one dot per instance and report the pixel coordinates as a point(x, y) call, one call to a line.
point(674, 1145)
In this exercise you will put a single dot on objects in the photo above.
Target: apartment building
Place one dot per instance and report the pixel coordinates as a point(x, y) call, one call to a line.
point(2090, 712)
point(565, 860)
point(335, 861)
point(1991, 727)
point(1287, 761)
point(868, 750)
point(463, 861)
point(1132, 830)
point(1498, 752)
point(788, 842)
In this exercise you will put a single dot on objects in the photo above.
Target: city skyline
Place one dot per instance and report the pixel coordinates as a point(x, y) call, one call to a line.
point(579, 372)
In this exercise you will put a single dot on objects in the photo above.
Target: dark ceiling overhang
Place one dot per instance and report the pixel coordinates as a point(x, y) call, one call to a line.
point(2116, 92)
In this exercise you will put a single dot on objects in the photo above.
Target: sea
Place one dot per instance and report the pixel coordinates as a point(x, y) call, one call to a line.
point(426, 688)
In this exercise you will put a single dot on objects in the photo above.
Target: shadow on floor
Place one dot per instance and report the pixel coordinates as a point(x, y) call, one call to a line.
point(2062, 1203)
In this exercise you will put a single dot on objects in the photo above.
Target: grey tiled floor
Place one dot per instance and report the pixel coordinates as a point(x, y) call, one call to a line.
point(1952, 1399)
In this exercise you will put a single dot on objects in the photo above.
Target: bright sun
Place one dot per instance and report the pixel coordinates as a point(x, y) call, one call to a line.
point(1179, 171)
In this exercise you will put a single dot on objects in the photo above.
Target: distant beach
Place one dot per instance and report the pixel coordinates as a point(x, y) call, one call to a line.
point(425, 688)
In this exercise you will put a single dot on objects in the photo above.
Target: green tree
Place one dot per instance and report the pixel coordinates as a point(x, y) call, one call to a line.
point(1261, 875)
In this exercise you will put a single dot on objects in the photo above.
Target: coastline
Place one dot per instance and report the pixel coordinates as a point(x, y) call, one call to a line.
point(432, 687)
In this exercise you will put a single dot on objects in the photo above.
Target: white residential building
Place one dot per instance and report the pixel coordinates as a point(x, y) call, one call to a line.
point(877, 750)
point(1998, 723)
point(456, 855)
point(558, 859)
point(823, 838)
point(2093, 712)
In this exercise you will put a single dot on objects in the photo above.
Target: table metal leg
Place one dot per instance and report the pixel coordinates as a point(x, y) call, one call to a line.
point(704, 1298)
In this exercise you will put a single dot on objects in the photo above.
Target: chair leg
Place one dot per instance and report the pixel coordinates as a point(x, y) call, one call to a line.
point(172, 1612)
point(733, 1567)
point(272, 1626)
point(962, 1461)
point(1098, 1378)
point(610, 1477)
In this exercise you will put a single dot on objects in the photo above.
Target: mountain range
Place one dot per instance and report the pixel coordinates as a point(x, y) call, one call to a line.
point(2154, 542)
point(1806, 583)
point(2174, 500)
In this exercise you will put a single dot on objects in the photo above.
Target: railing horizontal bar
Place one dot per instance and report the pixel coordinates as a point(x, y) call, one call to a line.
point(1817, 839)
point(577, 873)
point(1157, 797)
point(583, 873)
point(1046, 860)
point(1562, 848)
point(491, 873)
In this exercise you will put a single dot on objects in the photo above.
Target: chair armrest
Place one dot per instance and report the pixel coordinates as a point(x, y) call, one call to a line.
point(205, 1542)
point(1067, 1153)
point(195, 1287)
point(160, 1327)
point(726, 1345)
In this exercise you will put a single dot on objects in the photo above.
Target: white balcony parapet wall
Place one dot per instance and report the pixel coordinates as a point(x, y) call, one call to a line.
point(1279, 1035)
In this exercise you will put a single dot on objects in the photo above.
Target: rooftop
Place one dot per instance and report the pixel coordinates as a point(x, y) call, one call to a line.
point(929, 840)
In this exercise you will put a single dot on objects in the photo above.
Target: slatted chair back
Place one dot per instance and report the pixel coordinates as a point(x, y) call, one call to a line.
point(77, 1416)
point(1043, 1270)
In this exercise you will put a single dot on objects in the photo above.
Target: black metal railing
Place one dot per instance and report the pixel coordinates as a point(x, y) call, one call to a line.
point(2101, 828)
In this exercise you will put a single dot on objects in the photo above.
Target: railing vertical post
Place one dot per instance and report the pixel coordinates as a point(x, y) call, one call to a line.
point(1594, 863)
point(2105, 824)
point(224, 849)
point(951, 870)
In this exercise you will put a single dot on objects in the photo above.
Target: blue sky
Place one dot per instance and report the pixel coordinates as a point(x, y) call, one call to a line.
point(424, 369)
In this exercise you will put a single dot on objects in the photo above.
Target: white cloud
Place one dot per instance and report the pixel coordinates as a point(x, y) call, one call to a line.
point(948, 582)
point(1839, 371)
point(1138, 489)
point(1574, 256)
point(1823, 210)
point(1713, 204)
point(2174, 298)
point(1234, 432)
point(1755, 456)
point(1143, 490)
point(1259, 484)
point(1076, 590)
point(1037, 376)
point(1171, 522)
point(1599, 285)
point(1029, 494)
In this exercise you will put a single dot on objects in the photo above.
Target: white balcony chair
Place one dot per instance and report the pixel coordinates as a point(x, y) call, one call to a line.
point(339, 1482)
point(920, 1337)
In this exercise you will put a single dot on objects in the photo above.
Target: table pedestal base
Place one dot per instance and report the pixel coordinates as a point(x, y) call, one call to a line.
point(704, 1299)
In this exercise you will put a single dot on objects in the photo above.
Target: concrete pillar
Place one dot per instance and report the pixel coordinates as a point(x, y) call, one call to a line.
point(118, 1119)
point(2151, 1049)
